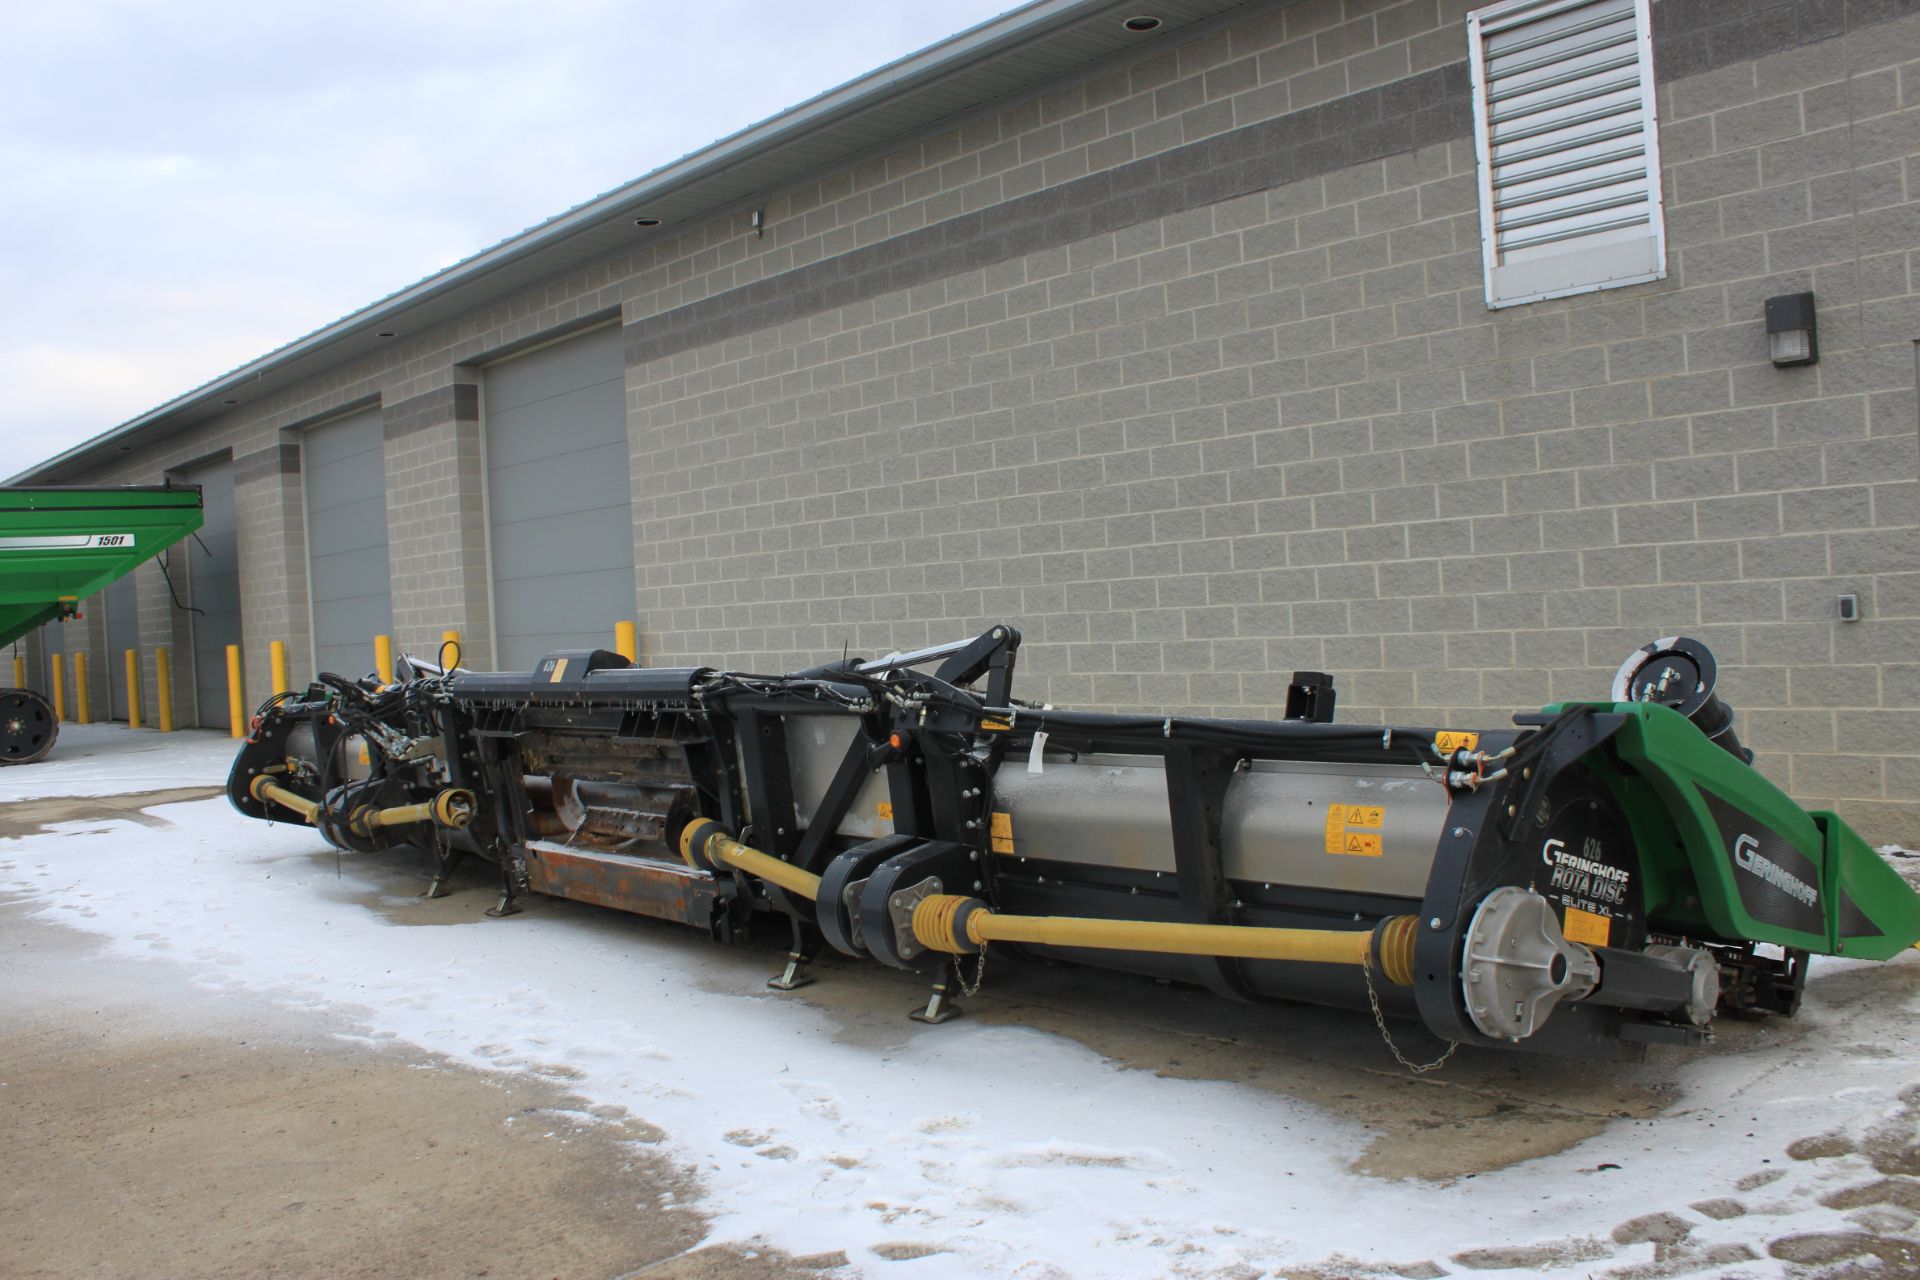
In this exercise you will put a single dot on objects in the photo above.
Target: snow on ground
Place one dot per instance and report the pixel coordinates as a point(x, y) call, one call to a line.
point(1020, 1152)
point(110, 759)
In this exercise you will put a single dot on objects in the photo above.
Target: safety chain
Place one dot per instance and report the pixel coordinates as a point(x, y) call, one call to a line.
point(979, 971)
point(1380, 1021)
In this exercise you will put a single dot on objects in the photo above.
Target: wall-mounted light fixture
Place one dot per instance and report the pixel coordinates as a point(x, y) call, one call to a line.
point(758, 221)
point(1792, 336)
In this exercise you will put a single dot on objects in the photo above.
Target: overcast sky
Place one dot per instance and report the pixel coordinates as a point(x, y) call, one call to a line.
point(185, 186)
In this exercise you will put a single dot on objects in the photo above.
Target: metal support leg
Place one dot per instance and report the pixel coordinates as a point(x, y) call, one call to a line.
point(513, 883)
point(941, 1006)
point(795, 975)
point(445, 861)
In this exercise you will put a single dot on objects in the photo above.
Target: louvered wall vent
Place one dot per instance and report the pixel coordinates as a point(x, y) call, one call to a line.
point(1568, 147)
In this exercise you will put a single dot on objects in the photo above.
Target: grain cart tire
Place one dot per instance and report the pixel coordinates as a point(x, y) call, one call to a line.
point(28, 726)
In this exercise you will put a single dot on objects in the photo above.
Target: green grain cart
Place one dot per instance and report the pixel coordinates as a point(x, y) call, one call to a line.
point(58, 545)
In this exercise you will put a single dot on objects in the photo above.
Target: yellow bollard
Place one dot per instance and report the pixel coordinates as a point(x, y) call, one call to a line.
point(236, 693)
point(277, 651)
point(163, 692)
point(451, 636)
point(59, 689)
point(625, 642)
point(383, 658)
point(82, 713)
point(133, 688)
point(19, 672)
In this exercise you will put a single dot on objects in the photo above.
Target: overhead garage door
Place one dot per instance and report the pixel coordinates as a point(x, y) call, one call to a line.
point(349, 581)
point(559, 498)
point(213, 591)
point(122, 602)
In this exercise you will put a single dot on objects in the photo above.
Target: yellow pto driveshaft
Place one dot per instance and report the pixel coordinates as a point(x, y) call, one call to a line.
point(453, 808)
point(962, 926)
point(707, 848)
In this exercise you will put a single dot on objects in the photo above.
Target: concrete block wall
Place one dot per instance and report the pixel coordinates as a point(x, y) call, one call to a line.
point(1282, 431)
point(33, 647)
point(1184, 367)
point(160, 624)
point(436, 520)
point(1265, 65)
point(1801, 170)
point(268, 510)
point(88, 634)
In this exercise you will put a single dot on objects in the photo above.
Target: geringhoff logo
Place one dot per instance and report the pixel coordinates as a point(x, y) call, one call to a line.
point(1747, 855)
point(1585, 874)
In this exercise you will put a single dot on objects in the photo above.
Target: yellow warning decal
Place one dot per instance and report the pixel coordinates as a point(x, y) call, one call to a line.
point(366, 756)
point(559, 669)
point(1341, 836)
point(1452, 740)
point(885, 810)
point(990, 725)
point(1335, 828)
point(1588, 927)
point(1001, 829)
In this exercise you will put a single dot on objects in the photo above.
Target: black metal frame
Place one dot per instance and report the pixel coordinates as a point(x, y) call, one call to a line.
point(939, 742)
